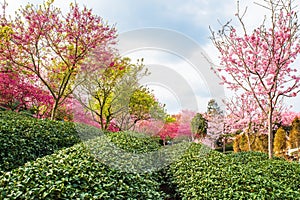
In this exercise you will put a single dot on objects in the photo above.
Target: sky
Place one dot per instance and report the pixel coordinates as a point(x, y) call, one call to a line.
point(173, 38)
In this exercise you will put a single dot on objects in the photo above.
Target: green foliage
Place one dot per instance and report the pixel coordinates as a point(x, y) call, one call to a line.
point(142, 106)
point(280, 142)
point(5, 34)
point(113, 92)
point(170, 119)
point(75, 173)
point(24, 138)
point(294, 137)
point(245, 175)
point(102, 89)
point(199, 125)
point(134, 142)
point(87, 132)
point(134, 152)
point(104, 166)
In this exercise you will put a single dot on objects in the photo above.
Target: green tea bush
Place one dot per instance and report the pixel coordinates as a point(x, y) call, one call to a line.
point(75, 173)
point(245, 175)
point(24, 138)
point(134, 152)
point(134, 142)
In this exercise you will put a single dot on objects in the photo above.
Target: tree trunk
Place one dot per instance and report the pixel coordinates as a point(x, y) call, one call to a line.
point(192, 136)
point(224, 144)
point(270, 133)
point(248, 136)
point(53, 111)
point(248, 139)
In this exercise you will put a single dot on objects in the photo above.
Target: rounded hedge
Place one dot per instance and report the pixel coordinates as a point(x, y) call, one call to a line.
point(24, 138)
point(75, 173)
point(245, 175)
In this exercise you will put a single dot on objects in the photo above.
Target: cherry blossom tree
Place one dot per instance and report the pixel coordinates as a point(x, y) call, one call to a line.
point(169, 131)
point(41, 40)
point(184, 119)
point(243, 114)
point(172, 126)
point(150, 126)
point(215, 121)
point(19, 94)
point(259, 63)
point(287, 117)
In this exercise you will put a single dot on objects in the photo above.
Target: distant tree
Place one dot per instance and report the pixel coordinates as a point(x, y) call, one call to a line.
point(199, 126)
point(169, 131)
point(133, 102)
point(213, 108)
point(112, 92)
point(184, 119)
point(215, 121)
point(142, 106)
point(170, 118)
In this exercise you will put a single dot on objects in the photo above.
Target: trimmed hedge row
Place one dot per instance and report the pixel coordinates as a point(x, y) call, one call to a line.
point(122, 165)
point(134, 142)
point(105, 166)
point(245, 175)
point(134, 152)
point(76, 173)
point(24, 138)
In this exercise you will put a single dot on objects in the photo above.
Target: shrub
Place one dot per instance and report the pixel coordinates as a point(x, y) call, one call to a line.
point(24, 138)
point(294, 137)
point(280, 142)
point(245, 175)
point(244, 143)
point(236, 142)
point(75, 173)
point(261, 143)
point(258, 142)
point(241, 142)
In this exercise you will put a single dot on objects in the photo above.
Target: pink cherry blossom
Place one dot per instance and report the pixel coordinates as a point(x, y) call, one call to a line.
point(258, 64)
